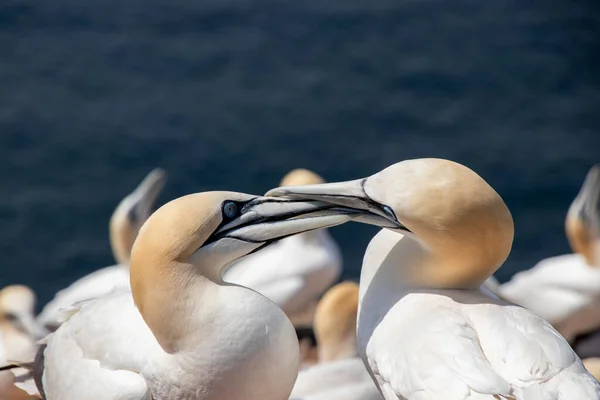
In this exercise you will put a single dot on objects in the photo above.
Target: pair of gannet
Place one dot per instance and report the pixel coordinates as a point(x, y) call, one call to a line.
point(565, 290)
point(124, 224)
point(294, 272)
point(425, 330)
point(340, 374)
point(182, 332)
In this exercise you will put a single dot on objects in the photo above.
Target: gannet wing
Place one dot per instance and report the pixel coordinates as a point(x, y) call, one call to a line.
point(436, 356)
point(97, 284)
point(529, 354)
point(101, 349)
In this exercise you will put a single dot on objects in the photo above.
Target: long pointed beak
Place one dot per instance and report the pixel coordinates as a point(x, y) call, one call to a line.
point(350, 195)
point(145, 195)
point(590, 199)
point(267, 219)
point(31, 327)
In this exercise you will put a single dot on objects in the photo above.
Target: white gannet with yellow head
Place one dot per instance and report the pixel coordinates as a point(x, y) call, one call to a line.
point(425, 330)
point(182, 332)
point(558, 288)
point(18, 330)
point(124, 225)
point(297, 270)
point(340, 373)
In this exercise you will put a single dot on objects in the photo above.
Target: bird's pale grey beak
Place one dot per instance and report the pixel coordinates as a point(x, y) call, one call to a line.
point(268, 219)
point(145, 195)
point(350, 195)
point(589, 199)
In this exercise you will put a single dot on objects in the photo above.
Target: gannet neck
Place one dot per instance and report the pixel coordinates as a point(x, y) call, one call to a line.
point(131, 213)
point(121, 236)
point(166, 285)
point(335, 322)
point(579, 237)
point(582, 224)
point(183, 249)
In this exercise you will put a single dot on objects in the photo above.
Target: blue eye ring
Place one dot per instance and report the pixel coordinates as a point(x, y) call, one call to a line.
point(230, 209)
point(389, 212)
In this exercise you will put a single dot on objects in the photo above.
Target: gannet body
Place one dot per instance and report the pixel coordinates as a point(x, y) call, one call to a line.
point(555, 288)
point(558, 288)
point(425, 329)
point(183, 333)
point(340, 373)
point(296, 271)
point(125, 222)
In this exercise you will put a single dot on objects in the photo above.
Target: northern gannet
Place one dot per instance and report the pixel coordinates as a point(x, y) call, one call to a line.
point(18, 332)
point(296, 271)
point(340, 373)
point(425, 330)
point(124, 224)
point(182, 332)
point(565, 290)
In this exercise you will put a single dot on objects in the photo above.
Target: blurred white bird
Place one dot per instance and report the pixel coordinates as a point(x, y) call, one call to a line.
point(565, 290)
point(129, 216)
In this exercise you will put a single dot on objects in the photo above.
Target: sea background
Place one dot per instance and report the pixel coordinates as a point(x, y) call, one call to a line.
point(232, 94)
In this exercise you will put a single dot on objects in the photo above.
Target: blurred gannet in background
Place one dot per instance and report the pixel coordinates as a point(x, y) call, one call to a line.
point(558, 288)
point(18, 331)
point(296, 271)
point(340, 374)
point(593, 365)
point(182, 332)
point(125, 222)
point(425, 330)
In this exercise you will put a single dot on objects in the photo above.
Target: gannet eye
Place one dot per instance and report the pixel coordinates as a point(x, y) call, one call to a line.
point(230, 209)
point(11, 317)
point(389, 212)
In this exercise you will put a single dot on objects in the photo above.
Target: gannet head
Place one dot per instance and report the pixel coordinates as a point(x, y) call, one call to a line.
point(17, 303)
point(132, 212)
point(197, 237)
point(335, 322)
point(443, 205)
point(301, 176)
point(582, 224)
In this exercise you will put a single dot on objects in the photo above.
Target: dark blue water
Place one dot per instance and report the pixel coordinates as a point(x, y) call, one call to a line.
point(233, 94)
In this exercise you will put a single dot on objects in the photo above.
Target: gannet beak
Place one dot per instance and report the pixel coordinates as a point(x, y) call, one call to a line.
point(146, 194)
point(590, 197)
point(27, 323)
point(348, 195)
point(265, 219)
